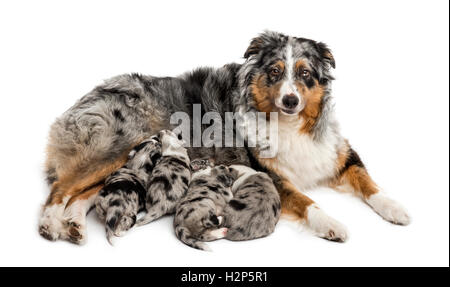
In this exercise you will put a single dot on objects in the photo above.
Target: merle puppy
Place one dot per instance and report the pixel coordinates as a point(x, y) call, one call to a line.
point(198, 216)
point(255, 208)
point(169, 179)
point(123, 195)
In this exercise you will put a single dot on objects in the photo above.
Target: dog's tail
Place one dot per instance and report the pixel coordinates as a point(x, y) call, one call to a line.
point(184, 235)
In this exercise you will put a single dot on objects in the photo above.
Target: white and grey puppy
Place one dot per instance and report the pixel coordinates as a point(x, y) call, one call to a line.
point(123, 195)
point(169, 179)
point(198, 216)
point(255, 208)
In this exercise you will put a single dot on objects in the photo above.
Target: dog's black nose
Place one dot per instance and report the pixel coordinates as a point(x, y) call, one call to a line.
point(290, 101)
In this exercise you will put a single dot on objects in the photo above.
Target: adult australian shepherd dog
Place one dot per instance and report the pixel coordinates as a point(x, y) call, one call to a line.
point(283, 74)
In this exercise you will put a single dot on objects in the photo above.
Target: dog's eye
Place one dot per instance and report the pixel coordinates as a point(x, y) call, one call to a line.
point(180, 137)
point(305, 73)
point(274, 72)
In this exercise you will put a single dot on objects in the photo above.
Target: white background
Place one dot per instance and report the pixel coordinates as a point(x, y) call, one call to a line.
point(391, 92)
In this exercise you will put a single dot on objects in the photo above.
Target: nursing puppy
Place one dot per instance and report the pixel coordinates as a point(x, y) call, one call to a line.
point(123, 195)
point(199, 214)
point(169, 179)
point(255, 208)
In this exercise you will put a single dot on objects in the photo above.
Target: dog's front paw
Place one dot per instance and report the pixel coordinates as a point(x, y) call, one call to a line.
point(325, 226)
point(389, 209)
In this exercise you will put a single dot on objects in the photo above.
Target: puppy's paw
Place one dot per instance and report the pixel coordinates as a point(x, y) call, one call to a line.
point(325, 226)
point(389, 209)
point(125, 224)
point(219, 233)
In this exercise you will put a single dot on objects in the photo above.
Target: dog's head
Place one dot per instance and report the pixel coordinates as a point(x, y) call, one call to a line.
point(287, 74)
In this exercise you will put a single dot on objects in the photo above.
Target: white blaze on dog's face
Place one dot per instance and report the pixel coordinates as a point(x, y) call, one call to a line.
point(289, 100)
point(288, 75)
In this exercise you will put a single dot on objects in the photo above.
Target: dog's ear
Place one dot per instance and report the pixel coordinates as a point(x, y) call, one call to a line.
point(326, 55)
point(268, 39)
point(254, 48)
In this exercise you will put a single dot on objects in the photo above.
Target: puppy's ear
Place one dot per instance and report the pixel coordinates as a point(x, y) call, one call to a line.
point(254, 48)
point(326, 55)
point(234, 173)
point(155, 157)
point(131, 154)
point(156, 138)
point(215, 221)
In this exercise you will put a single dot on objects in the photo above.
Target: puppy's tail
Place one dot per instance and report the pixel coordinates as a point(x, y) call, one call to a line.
point(147, 218)
point(111, 220)
point(184, 235)
point(109, 236)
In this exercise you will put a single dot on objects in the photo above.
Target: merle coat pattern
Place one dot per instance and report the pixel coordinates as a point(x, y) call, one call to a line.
point(123, 195)
point(92, 138)
point(255, 208)
point(199, 214)
point(169, 179)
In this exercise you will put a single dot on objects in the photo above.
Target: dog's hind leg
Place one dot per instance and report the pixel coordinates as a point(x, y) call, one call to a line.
point(51, 224)
point(71, 196)
point(89, 141)
point(74, 217)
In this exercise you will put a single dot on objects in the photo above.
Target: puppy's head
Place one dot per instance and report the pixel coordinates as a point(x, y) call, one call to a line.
point(224, 175)
point(287, 74)
point(145, 154)
point(200, 164)
point(171, 140)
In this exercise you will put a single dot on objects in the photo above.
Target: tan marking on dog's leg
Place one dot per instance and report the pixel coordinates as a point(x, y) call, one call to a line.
point(93, 178)
point(64, 192)
point(356, 179)
point(293, 201)
point(74, 217)
point(300, 207)
point(51, 224)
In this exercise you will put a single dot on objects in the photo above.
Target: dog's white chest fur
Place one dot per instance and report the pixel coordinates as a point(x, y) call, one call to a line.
point(304, 161)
